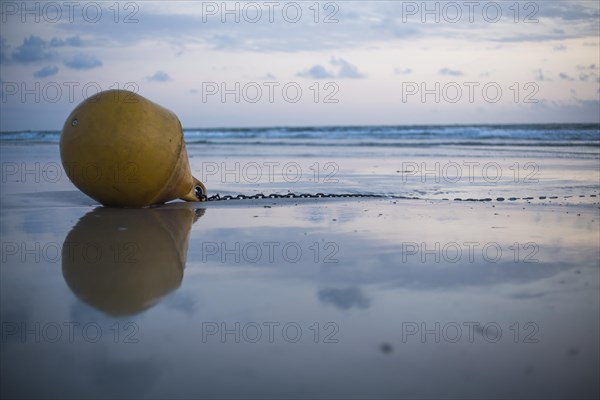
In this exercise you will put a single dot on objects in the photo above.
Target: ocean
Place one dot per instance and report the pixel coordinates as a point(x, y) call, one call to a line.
point(514, 135)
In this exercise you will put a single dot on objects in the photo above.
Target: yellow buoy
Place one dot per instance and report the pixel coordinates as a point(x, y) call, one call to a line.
point(123, 150)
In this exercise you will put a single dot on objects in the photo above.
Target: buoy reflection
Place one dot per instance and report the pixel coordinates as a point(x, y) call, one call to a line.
point(123, 261)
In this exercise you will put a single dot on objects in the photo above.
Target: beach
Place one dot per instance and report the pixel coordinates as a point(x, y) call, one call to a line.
point(479, 271)
point(397, 200)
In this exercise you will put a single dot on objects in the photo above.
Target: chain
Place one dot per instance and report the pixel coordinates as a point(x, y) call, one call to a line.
point(218, 197)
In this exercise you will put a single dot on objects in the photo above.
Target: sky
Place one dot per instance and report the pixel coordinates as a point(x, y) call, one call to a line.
point(305, 63)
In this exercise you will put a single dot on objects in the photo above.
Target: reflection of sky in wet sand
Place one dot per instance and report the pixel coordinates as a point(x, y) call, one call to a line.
point(372, 289)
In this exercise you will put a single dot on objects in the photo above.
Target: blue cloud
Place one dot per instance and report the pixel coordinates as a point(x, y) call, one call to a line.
point(539, 75)
point(450, 72)
point(400, 71)
point(569, 11)
point(83, 61)
point(344, 299)
point(591, 67)
point(74, 41)
point(347, 70)
point(4, 57)
point(33, 49)
point(363, 22)
point(565, 77)
point(224, 42)
point(317, 72)
point(45, 72)
point(159, 76)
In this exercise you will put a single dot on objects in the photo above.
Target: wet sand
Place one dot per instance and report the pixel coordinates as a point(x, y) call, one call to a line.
point(302, 298)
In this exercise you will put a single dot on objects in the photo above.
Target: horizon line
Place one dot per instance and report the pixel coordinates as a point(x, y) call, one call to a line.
point(346, 126)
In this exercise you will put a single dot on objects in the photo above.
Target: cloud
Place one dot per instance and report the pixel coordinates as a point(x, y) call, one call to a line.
point(591, 67)
point(4, 57)
point(568, 11)
point(565, 77)
point(588, 71)
point(344, 299)
point(363, 22)
point(33, 49)
point(83, 61)
point(400, 71)
point(560, 47)
point(317, 72)
point(45, 72)
point(74, 41)
point(345, 71)
point(539, 75)
point(362, 35)
point(224, 42)
point(450, 72)
point(159, 76)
